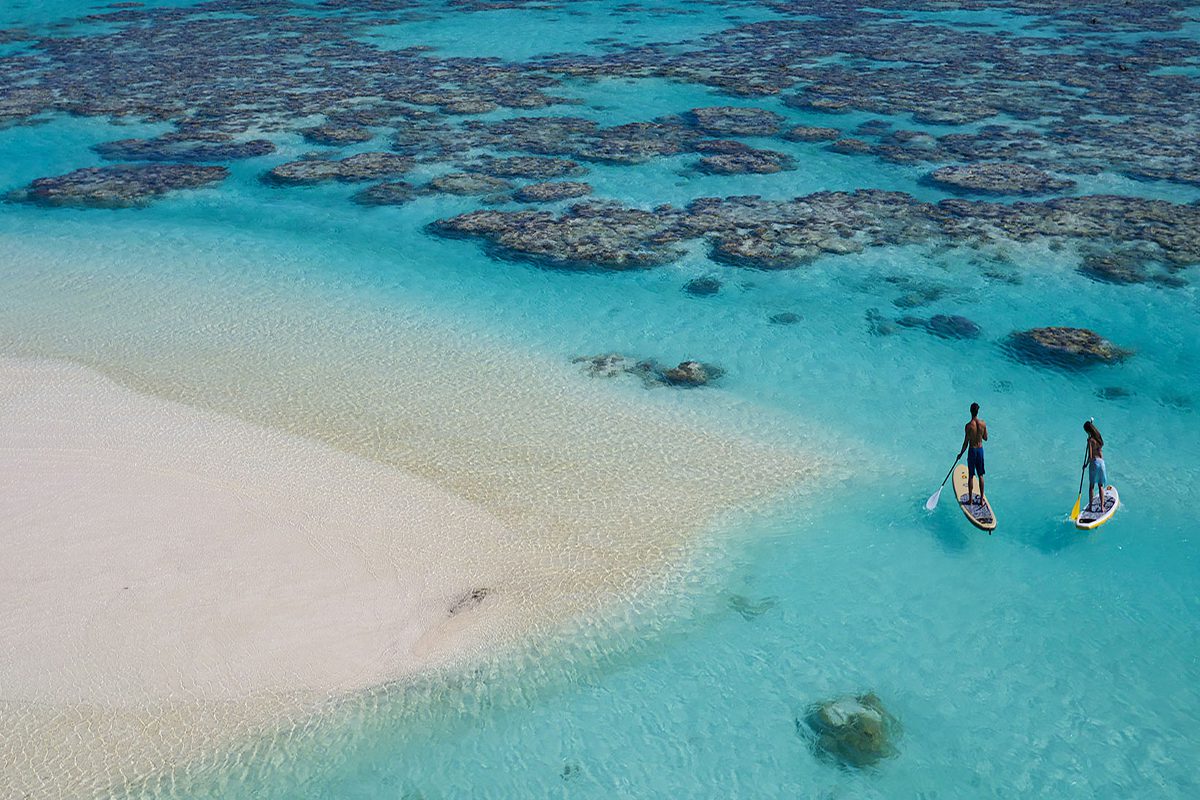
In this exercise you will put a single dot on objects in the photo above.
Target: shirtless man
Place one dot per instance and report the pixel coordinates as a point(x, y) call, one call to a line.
point(974, 436)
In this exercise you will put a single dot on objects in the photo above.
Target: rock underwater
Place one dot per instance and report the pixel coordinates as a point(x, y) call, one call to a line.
point(550, 191)
point(391, 193)
point(1064, 347)
point(183, 149)
point(119, 186)
point(703, 286)
point(359, 167)
point(853, 731)
point(736, 121)
point(687, 374)
point(996, 178)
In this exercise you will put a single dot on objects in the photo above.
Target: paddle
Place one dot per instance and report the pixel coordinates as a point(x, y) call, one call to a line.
point(932, 502)
point(1075, 509)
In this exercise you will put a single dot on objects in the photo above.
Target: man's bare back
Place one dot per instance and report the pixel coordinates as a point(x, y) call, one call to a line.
point(976, 433)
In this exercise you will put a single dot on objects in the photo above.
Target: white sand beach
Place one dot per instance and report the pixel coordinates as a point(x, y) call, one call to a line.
point(156, 554)
point(175, 578)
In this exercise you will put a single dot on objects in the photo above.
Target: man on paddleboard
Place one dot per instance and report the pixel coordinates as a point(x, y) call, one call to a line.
point(975, 435)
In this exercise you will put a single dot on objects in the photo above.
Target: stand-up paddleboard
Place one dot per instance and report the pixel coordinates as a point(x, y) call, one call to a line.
point(1093, 517)
point(980, 514)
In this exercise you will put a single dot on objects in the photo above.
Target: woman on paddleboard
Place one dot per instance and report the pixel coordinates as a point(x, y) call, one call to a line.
point(1097, 474)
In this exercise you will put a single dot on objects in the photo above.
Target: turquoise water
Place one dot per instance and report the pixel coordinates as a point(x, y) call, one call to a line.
point(1035, 662)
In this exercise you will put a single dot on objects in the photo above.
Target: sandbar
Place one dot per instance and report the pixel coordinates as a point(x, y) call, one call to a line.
point(175, 577)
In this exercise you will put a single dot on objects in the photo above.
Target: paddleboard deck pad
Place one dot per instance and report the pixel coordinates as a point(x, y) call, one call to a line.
point(980, 514)
point(1092, 516)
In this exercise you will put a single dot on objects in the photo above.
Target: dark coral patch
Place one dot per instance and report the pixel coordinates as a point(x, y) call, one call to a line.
point(360, 167)
point(1064, 347)
point(183, 149)
point(121, 186)
point(994, 178)
point(551, 191)
point(734, 121)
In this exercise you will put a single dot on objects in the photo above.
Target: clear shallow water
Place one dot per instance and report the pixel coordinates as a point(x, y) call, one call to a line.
point(1035, 662)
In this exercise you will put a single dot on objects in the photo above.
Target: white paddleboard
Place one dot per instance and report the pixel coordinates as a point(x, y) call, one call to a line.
point(1093, 517)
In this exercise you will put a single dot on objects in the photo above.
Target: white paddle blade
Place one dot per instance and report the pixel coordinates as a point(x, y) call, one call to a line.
point(932, 502)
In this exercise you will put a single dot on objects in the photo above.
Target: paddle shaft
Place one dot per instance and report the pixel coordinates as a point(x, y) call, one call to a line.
point(955, 464)
point(1079, 496)
point(1086, 449)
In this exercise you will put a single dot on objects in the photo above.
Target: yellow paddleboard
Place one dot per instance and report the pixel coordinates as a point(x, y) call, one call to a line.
point(1093, 517)
point(980, 514)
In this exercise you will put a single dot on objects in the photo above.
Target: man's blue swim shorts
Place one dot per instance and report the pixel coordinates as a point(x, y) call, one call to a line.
point(975, 461)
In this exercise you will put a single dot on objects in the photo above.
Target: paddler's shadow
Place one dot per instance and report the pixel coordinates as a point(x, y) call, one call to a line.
point(1055, 535)
point(954, 535)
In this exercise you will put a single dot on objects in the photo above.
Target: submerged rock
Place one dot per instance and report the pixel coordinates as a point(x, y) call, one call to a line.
point(851, 147)
point(585, 236)
point(909, 321)
point(998, 178)
point(751, 609)
point(1114, 266)
point(121, 186)
point(686, 374)
point(746, 161)
point(633, 143)
point(605, 365)
point(953, 326)
point(777, 234)
point(691, 373)
point(360, 167)
point(873, 127)
point(721, 147)
point(761, 252)
point(919, 297)
point(178, 148)
point(469, 105)
point(337, 135)
point(807, 133)
point(468, 183)
point(703, 286)
point(946, 326)
point(878, 324)
point(550, 191)
point(392, 193)
point(733, 121)
point(529, 167)
point(1113, 393)
point(1065, 347)
point(853, 731)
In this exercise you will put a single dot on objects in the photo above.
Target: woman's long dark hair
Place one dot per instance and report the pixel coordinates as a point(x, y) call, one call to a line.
point(1093, 432)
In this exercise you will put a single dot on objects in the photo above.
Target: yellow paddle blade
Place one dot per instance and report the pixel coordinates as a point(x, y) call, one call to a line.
point(1075, 510)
